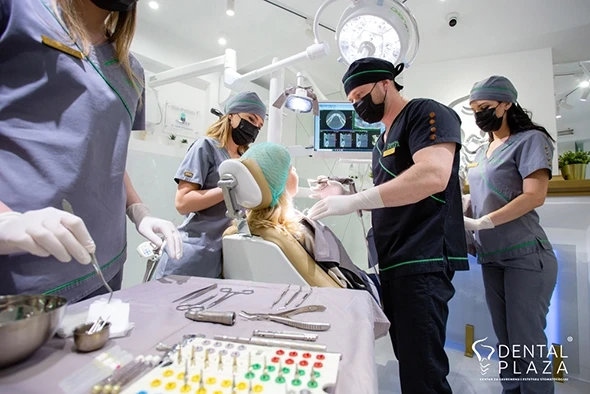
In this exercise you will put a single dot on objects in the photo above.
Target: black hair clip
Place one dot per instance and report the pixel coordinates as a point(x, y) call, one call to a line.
point(216, 112)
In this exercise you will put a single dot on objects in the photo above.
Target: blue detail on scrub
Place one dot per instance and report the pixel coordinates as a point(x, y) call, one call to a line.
point(64, 133)
point(497, 180)
point(421, 237)
point(519, 267)
point(201, 231)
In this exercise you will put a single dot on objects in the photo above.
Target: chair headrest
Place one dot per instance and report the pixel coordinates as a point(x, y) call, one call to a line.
point(252, 191)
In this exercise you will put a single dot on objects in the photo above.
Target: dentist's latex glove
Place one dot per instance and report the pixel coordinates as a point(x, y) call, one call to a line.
point(46, 232)
point(150, 227)
point(483, 223)
point(466, 202)
point(343, 205)
point(326, 188)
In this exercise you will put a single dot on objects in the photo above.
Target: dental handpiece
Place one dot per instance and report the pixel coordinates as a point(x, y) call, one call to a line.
point(225, 318)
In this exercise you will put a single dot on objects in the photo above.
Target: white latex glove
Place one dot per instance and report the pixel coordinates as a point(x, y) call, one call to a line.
point(46, 232)
point(483, 223)
point(149, 227)
point(343, 205)
point(466, 201)
point(326, 188)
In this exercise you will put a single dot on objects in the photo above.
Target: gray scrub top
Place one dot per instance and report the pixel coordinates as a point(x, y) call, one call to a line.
point(495, 181)
point(201, 231)
point(63, 134)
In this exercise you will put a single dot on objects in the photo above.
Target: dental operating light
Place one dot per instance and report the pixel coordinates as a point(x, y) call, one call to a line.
point(385, 29)
point(299, 99)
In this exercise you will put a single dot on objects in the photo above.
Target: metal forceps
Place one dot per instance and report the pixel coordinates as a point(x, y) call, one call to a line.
point(195, 307)
point(285, 318)
point(68, 208)
point(228, 294)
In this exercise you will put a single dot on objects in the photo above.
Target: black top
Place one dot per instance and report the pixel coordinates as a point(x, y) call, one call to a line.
point(427, 236)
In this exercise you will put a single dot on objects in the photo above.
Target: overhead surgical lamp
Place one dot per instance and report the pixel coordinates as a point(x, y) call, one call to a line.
point(563, 104)
point(385, 29)
point(299, 98)
point(230, 8)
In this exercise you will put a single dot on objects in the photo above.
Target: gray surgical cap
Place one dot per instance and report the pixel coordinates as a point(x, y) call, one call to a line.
point(494, 88)
point(247, 102)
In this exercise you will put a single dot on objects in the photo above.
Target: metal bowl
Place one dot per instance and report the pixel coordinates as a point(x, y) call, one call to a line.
point(90, 342)
point(26, 323)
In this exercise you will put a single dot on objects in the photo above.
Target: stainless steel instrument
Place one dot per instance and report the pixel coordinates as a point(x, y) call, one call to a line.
point(196, 293)
point(280, 297)
point(225, 318)
point(229, 292)
point(167, 358)
point(312, 347)
point(184, 307)
point(294, 296)
point(153, 254)
point(68, 208)
point(197, 307)
point(296, 336)
point(285, 318)
point(304, 297)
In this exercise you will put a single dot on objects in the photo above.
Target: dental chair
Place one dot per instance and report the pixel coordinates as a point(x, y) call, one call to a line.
point(261, 254)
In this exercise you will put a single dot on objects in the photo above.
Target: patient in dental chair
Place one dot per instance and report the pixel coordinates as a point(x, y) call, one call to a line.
point(324, 247)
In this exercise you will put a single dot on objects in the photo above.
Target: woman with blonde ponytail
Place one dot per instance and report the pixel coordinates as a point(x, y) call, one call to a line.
point(70, 94)
point(199, 198)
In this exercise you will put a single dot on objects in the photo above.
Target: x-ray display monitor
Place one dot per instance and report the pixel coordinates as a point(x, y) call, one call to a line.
point(339, 128)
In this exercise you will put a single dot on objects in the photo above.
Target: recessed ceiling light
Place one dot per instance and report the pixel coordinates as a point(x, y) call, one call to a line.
point(230, 8)
point(222, 41)
point(584, 84)
point(154, 5)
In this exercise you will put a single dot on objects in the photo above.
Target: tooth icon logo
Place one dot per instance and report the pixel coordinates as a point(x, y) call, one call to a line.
point(484, 361)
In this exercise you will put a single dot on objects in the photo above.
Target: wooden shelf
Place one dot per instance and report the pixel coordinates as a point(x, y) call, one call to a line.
point(558, 187)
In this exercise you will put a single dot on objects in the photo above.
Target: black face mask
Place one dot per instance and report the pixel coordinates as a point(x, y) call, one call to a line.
point(487, 120)
point(115, 5)
point(245, 133)
point(367, 110)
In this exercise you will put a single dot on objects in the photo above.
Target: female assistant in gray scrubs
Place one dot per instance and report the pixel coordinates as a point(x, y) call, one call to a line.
point(70, 94)
point(198, 196)
point(507, 181)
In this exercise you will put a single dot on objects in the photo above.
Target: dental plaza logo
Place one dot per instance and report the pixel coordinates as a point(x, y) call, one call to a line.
point(510, 356)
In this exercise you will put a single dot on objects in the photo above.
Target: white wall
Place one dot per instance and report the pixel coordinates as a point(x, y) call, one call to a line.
point(531, 72)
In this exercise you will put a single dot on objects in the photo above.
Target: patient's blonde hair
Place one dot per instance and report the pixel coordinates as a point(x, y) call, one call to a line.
point(221, 131)
point(282, 217)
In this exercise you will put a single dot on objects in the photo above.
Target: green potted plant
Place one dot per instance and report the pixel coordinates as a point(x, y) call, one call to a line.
point(573, 164)
point(184, 141)
point(171, 139)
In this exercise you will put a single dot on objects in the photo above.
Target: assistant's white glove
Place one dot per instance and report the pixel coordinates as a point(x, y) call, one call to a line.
point(466, 202)
point(46, 232)
point(483, 223)
point(343, 205)
point(326, 188)
point(149, 227)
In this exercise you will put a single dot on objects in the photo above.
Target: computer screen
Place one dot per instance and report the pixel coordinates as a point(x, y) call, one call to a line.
point(339, 128)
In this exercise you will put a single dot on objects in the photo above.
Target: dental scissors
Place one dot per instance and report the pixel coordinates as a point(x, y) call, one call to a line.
point(229, 293)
